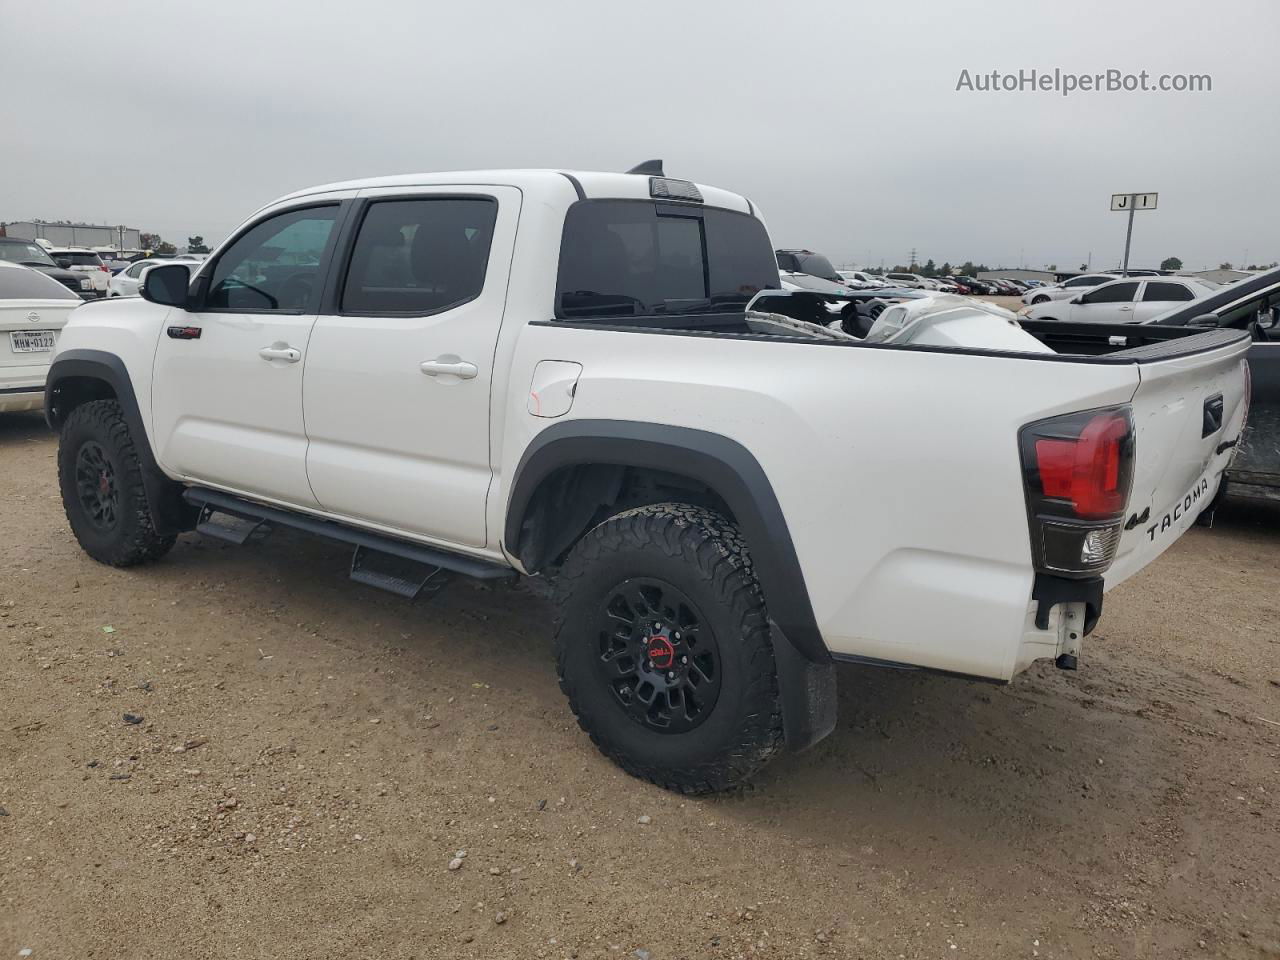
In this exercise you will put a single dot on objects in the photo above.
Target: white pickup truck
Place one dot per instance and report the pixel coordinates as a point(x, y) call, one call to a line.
point(556, 374)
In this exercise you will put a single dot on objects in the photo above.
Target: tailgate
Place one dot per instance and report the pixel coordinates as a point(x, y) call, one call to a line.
point(1188, 410)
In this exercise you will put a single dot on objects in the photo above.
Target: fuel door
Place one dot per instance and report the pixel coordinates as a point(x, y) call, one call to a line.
point(554, 384)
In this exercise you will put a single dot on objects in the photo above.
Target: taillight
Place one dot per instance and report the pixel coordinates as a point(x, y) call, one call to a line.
point(103, 268)
point(1077, 470)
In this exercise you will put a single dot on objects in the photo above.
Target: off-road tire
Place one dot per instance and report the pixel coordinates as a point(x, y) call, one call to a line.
point(702, 554)
point(132, 538)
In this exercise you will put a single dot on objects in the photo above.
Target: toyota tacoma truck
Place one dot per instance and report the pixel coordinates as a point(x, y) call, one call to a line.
point(594, 380)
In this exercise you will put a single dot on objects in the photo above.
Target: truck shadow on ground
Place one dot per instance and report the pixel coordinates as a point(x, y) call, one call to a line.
point(18, 428)
point(985, 767)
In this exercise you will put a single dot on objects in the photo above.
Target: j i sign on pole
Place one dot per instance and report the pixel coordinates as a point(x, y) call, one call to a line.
point(1131, 203)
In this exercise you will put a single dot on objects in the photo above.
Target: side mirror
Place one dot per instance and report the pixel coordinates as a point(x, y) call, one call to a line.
point(1078, 299)
point(166, 285)
point(1204, 320)
point(64, 263)
point(1268, 319)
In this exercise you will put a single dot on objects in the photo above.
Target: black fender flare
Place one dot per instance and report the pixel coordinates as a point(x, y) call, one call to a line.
point(805, 668)
point(169, 512)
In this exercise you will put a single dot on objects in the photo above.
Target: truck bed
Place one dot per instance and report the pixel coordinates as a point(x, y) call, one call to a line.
point(1071, 342)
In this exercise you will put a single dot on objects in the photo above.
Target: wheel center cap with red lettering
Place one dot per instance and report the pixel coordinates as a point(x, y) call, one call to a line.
point(662, 653)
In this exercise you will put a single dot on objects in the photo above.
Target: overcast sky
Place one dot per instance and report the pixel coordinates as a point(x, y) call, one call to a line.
point(840, 120)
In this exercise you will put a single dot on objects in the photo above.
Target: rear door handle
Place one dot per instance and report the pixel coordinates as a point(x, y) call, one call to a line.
point(442, 366)
point(281, 351)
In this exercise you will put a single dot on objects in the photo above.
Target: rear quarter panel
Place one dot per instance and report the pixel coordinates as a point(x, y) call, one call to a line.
point(897, 470)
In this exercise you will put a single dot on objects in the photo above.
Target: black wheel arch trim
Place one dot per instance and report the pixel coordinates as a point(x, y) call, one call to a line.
point(724, 465)
point(170, 514)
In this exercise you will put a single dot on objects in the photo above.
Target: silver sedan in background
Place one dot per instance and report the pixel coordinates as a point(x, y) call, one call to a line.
point(1124, 300)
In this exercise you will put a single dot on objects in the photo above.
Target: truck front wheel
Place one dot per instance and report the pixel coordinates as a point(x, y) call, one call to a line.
point(662, 647)
point(101, 483)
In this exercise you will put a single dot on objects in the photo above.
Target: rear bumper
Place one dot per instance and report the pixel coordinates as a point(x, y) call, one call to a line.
point(18, 400)
point(1254, 491)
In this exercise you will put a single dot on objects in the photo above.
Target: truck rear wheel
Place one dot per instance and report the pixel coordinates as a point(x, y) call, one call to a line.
point(662, 647)
point(101, 483)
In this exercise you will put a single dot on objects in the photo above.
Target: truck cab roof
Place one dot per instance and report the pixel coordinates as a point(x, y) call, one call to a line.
point(588, 185)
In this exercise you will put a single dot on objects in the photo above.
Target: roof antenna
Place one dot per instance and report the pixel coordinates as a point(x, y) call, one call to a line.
point(650, 168)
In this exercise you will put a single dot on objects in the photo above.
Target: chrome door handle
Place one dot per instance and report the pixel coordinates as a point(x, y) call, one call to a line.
point(280, 352)
point(440, 367)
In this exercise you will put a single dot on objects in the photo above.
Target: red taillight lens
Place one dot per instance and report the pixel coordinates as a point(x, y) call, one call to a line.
point(1087, 470)
point(1077, 470)
point(104, 269)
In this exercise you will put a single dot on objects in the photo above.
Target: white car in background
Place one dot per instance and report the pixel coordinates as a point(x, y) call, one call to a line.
point(908, 280)
point(33, 308)
point(1068, 288)
point(1124, 300)
point(856, 278)
point(86, 261)
point(127, 282)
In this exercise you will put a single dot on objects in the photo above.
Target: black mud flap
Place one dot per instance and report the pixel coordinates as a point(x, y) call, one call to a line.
point(807, 690)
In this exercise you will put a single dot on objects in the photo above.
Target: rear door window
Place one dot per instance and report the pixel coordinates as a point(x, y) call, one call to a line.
point(419, 256)
point(638, 258)
point(1165, 291)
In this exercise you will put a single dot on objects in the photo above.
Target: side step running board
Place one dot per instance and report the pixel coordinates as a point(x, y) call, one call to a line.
point(226, 526)
point(408, 578)
point(400, 566)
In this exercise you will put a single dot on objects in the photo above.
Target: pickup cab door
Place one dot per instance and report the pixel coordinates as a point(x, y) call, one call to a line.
point(226, 391)
point(1188, 414)
point(400, 369)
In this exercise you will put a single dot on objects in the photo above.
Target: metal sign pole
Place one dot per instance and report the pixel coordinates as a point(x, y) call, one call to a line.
point(1130, 203)
point(1128, 237)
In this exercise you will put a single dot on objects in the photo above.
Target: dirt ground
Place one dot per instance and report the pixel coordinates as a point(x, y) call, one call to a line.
point(345, 745)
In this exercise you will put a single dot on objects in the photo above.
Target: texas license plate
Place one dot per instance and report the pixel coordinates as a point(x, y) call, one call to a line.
point(31, 341)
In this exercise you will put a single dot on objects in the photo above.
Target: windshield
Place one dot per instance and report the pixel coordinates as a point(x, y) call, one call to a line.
point(25, 253)
point(640, 258)
point(816, 265)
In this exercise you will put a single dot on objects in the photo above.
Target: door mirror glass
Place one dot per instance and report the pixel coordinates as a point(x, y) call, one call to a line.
point(1268, 318)
point(166, 285)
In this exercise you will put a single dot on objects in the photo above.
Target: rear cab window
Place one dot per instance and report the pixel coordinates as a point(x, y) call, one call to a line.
point(816, 265)
point(79, 258)
point(641, 258)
